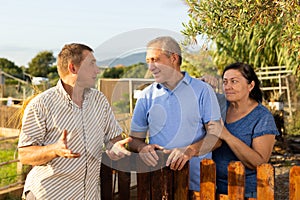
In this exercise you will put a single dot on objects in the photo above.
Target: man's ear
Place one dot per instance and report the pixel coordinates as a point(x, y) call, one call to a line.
point(174, 58)
point(72, 68)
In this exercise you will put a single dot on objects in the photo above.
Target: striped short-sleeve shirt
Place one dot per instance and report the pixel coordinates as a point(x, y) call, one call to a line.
point(88, 127)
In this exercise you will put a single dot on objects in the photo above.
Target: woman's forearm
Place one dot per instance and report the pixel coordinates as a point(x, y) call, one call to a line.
point(251, 157)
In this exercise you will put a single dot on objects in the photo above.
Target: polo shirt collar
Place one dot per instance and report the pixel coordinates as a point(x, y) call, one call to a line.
point(186, 79)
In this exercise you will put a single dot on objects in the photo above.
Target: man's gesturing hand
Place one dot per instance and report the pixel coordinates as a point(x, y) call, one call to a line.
point(118, 150)
point(61, 147)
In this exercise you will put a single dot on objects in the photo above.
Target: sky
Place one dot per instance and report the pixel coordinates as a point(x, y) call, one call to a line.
point(110, 27)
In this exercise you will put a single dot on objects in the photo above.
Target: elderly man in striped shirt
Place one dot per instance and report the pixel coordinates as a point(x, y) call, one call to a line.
point(64, 129)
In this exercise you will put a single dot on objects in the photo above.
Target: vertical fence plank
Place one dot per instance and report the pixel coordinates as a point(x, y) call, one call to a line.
point(222, 197)
point(161, 184)
point(265, 182)
point(143, 180)
point(236, 180)
point(207, 179)
point(181, 183)
point(295, 183)
point(123, 168)
point(161, 179)
point(106, 177)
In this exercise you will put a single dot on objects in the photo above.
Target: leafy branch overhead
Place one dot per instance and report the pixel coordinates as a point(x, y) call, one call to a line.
point(259, 32)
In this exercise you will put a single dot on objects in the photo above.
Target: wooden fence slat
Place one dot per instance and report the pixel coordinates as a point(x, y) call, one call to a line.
point(161, 184)
point(122, 168)
point(236, 180)
point(106, 181)
point(161, 179)
point(222, 197)
point(106, 177)
point(143, 180)
point(265, 182)
point(181, 183)
point(207, 179)
point(295, 183)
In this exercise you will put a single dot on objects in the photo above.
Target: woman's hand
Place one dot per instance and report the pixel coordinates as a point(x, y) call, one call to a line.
point(217, 129)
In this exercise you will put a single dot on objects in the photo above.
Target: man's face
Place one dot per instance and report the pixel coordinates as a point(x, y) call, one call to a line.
point(160, 65)
point(88, 70)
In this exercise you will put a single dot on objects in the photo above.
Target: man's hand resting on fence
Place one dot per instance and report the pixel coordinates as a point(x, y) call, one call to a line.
point(148, 154)
point(178, 157)
point(118, 150)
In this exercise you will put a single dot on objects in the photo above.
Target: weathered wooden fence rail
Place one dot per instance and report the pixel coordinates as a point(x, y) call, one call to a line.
point(163, 183)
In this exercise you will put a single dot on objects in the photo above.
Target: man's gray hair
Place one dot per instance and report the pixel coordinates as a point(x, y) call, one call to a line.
point(167, 44)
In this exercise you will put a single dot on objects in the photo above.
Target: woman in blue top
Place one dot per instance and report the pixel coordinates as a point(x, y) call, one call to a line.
point(249, 128)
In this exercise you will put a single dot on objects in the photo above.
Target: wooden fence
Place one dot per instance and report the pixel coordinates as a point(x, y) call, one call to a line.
point(164, 183)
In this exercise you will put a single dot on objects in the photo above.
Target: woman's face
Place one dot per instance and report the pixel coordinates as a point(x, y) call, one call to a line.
point(236, 86)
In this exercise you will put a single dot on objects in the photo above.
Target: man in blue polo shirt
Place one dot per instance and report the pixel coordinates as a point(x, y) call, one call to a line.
point(175, 109)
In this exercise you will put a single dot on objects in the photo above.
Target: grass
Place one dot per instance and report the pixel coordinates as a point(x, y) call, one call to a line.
point(8, 173)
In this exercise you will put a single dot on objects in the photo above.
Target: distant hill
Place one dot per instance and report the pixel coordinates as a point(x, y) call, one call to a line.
point(126, 60)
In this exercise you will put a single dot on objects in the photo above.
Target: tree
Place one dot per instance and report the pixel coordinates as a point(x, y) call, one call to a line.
point(198, 63)
point(133, 71)
point(12, 69)
point(53, 75)
point(40, 65)
point(258, 32)
point(114, 72)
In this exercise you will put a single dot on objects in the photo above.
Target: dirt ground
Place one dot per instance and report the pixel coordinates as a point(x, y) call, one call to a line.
point(284, 157)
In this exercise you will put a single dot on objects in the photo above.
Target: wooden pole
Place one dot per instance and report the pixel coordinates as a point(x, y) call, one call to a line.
point(295, 183)
point(265, 182)
point(236, 180)
point(207, 179)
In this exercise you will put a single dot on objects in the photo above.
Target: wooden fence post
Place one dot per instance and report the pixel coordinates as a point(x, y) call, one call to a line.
point(207, 179)
point(160, 182)
point(106, 177)
point(295, 183)
point(265, 182)
point(236, 180)
point(143, 179)
point(181, 183)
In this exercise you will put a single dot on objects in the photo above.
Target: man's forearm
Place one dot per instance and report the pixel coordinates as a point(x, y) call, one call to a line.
point(136, 144)
point(36, 155)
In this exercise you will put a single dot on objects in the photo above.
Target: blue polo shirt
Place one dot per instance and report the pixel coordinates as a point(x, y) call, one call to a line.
point(176, 118)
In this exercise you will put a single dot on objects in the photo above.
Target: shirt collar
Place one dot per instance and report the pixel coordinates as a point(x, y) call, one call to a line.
point(186, 80)
point(62, 90)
